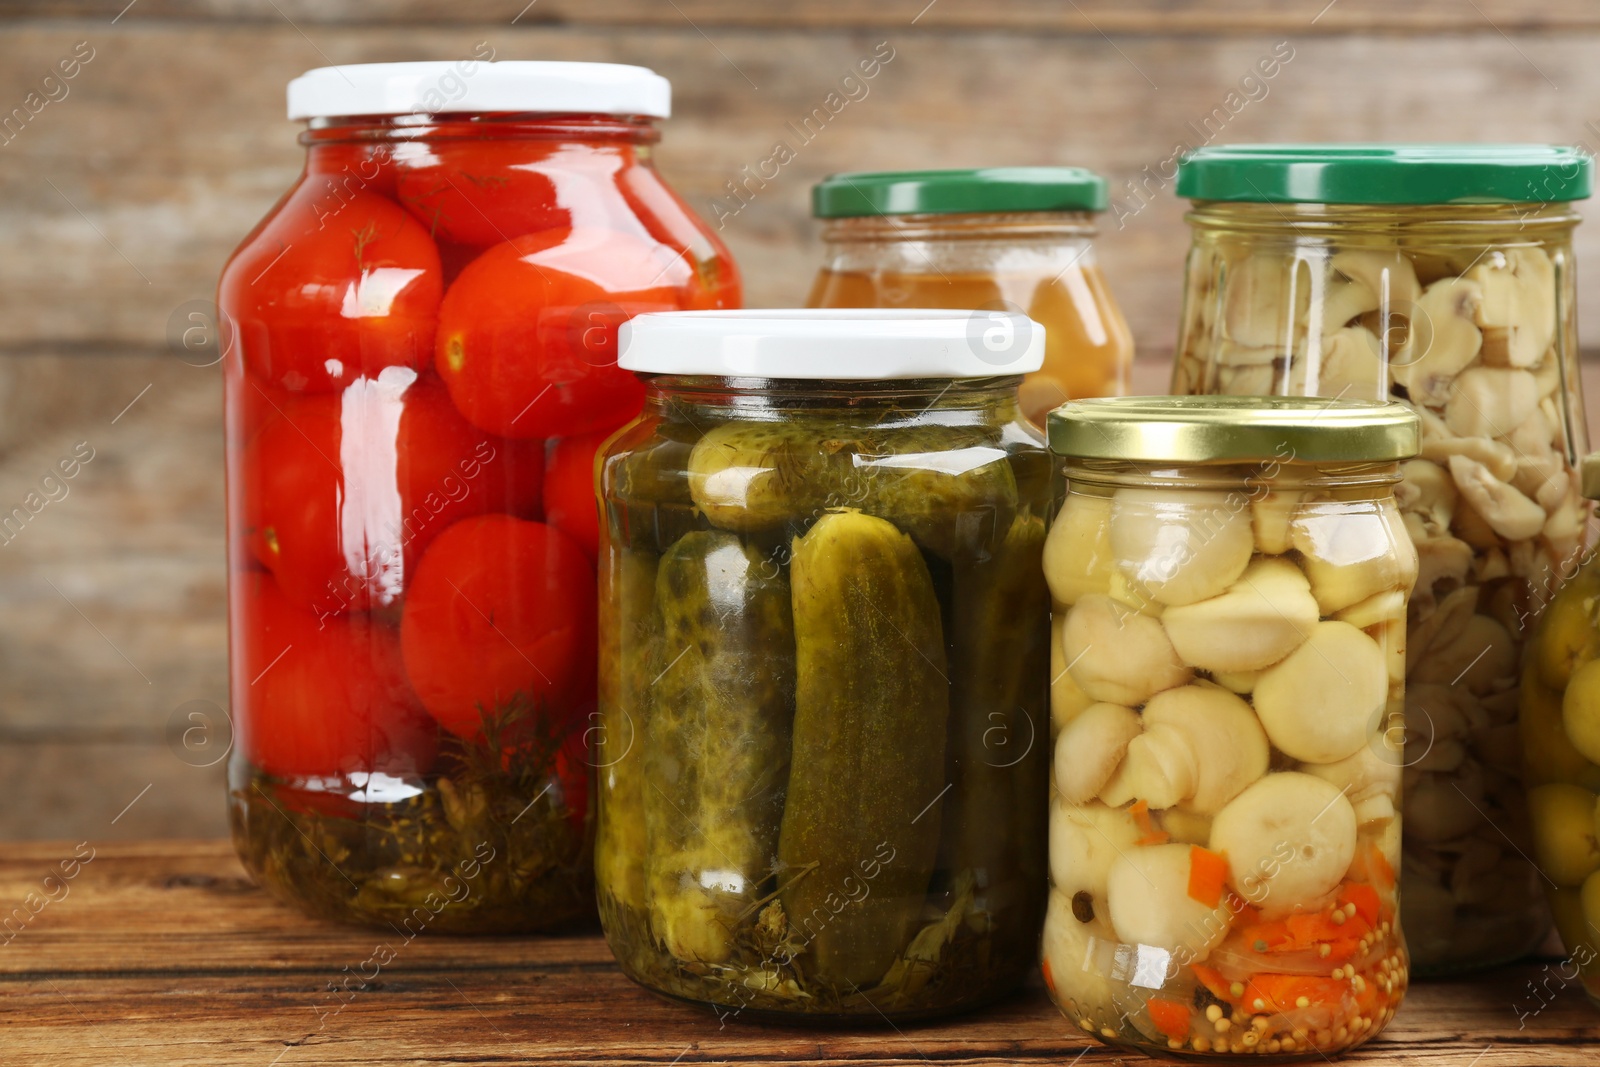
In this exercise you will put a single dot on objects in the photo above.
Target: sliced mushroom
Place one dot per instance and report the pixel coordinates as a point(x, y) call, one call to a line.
point(1443, 624)
point(1350, 367)
point(1367, 280)
point(1386, 606)
point(1442, 565)
point(1118, 655)
point(1439, 443)
point(1256, 622)
point(1426, 489)
point(1512, 515)
point(1490, 402)
point(1478, 657)
point(1439, 807)
point(1267, 299)
point(1518, 309)
point(1441, 342)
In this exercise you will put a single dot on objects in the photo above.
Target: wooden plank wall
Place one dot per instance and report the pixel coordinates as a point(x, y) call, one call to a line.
point(122, 198)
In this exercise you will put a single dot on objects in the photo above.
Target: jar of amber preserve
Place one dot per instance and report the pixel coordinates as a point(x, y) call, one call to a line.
point(823, 664)
point(1229, 578)
point(1003, 238)
point(423, 363)
point(1440, 276)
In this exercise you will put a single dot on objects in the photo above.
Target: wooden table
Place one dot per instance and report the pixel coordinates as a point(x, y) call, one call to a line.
point(163, 953)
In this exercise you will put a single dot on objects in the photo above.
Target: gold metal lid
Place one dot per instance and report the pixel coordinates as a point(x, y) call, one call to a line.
point(1589, 475)
point(1204, 429)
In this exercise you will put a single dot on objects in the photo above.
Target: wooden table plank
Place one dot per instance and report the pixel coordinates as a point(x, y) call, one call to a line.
point(163, 953)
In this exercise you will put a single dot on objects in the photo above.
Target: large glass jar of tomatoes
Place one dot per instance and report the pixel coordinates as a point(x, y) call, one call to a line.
point(1019, 239)
point(422, 364)
point(824, 645)
point(1441, 276)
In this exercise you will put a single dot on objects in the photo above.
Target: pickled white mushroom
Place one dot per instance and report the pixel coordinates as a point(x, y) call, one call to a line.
point(1066, 699)
point(1350, 555)
point(1071, 949)
point(1270, 514)
point(1488, 402)
point(1077, 552)
point(1322, 702)
point(1257, 621)
point(1518, 309)
point(1349, 367)
point(1386, 606)
point(1180, 549)
point(1227, 742)
point(1289, 839)
point(1116, 655)
point(1367, 279)
point(1369, 778)
point(1439, 443)
point(1441, 341)
point(1477, 657)
point(1267, 296)
point(1147, 894)
point(1090, 747)
point(1085, 839)
point(1158, 768)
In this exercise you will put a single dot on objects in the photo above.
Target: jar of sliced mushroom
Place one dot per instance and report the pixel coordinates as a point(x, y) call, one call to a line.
point(1440, 276)
point(1229, 578)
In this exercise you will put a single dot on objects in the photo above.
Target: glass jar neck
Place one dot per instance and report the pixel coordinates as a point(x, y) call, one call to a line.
point(1488, 222)
point(975, 226)
point(1268, 474)
point(766, 398)
point(474, 126)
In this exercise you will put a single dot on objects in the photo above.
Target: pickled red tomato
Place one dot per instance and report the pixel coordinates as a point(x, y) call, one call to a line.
point(325, 696)
point(569, 493)
point(481, 193)
point(708, 278)
point(501, 615)
point(352, 166)
point(331, 288)
point(345, 491)
point(528, 332)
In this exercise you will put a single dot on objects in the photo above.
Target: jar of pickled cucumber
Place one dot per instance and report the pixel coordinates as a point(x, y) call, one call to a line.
point(422, 364)
point(1560, 727)
point(1229, 579)
point(1440, 276)
point(824, 649)
point(1013, 238)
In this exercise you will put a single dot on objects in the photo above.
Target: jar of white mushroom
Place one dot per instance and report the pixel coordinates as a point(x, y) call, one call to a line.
point(1441, 277)
point(1229, 579)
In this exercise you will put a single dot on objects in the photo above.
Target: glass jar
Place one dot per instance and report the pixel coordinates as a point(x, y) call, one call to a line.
point(1440, 276)
point(1560, 730)
point(1229, 579)
point(823, 657)
point(1007, 238)
point(422, 364)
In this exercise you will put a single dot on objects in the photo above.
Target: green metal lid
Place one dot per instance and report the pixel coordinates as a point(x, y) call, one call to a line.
point(951, 192)
point(1209, 429)
point(1386, 173)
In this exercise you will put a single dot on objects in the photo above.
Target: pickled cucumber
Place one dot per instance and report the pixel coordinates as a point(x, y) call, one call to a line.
point(644, 488)
point(717, 740)
point(999, 653)
point(627, 658)
point(861, 822)
point(951, 488)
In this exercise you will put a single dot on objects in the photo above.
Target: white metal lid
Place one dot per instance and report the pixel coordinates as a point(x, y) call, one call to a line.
point(474, 85)
point(848, 344)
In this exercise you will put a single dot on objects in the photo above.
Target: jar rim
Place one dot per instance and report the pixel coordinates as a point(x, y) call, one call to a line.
point(985, 190)
point(1209, 429)
point(479, 85)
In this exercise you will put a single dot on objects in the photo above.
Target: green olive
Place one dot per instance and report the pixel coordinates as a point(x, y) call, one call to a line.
point(1563, 818)
point(1580, 710)
point(1567, 637)
point(1547, 754)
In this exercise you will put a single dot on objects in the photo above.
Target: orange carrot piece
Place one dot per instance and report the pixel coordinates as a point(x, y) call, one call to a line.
point(1366, 900)
point(1049, 980)
point(1212, 979)
point(1271, 993)
point(1169, 1016)
point(1208, 872)
point(1150, 833)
